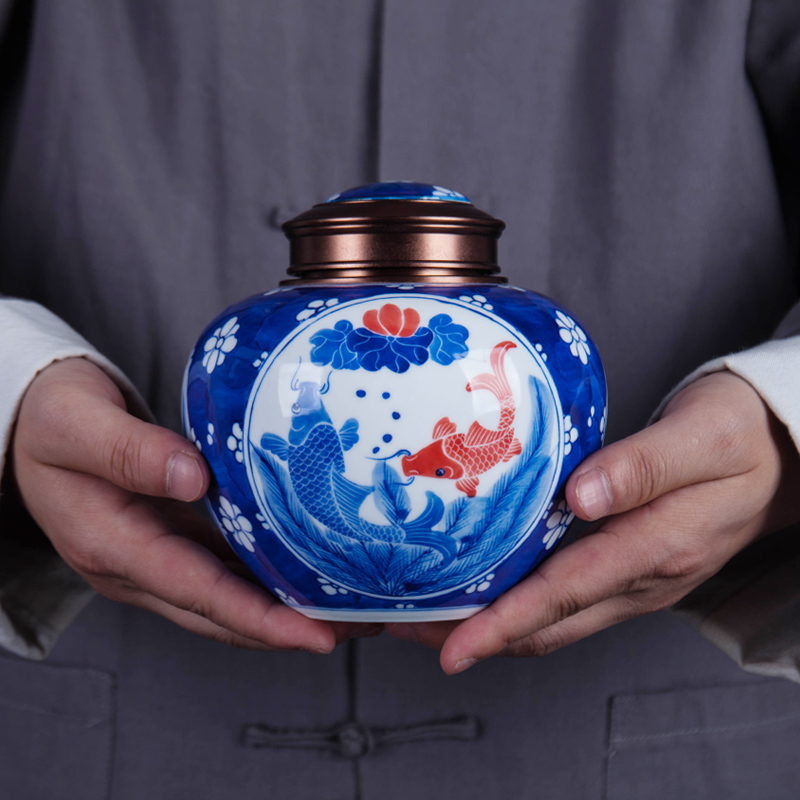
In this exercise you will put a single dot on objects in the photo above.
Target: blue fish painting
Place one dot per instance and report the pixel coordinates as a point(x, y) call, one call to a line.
point(314, 454)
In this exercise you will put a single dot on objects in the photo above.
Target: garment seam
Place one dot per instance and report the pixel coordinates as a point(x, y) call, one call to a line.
point(741, 726)
point(88, 722)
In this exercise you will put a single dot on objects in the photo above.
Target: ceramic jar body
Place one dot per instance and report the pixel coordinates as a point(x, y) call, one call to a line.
point(385, 451)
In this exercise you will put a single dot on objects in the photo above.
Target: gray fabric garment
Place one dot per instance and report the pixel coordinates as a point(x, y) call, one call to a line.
point(642, 156)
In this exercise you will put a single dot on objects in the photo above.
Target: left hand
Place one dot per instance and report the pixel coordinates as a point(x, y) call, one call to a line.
point(679, 498)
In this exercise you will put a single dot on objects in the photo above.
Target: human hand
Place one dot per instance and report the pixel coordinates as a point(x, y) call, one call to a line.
point(680, 499)
point(110, 492)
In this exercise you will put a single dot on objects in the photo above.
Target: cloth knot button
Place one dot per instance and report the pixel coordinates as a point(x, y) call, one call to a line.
point(354, 740)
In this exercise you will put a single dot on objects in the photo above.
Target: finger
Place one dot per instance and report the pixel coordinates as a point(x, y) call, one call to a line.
point(434, 634)
point(356, 630)
point(134, 455)
point(122, 537)
point(196, 623)
point(701, 440)
point(590, 571)
point(193, 622)
point(429, 634)
point(585, 623)
point(189, 523)
point(78, 424)
point(206, 588)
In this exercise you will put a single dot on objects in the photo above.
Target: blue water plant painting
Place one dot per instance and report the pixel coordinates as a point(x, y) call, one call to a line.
point(318, 508)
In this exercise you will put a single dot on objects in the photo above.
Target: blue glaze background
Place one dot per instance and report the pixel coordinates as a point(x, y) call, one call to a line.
point(398, 190)
point(264, 321)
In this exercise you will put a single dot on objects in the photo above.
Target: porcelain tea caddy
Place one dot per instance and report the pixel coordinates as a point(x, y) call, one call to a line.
point(390, 431)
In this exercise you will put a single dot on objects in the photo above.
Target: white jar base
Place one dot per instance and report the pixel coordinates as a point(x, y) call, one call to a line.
point(388, 615)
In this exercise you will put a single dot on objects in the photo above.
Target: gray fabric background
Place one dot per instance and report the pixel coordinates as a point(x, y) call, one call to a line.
point(643, 156)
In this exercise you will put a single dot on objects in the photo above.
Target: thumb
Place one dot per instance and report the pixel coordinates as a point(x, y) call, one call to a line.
point(692, 445)
point(79, 423)
point(146, 459)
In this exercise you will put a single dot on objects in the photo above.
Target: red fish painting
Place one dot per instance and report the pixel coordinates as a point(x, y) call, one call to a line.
point(463, 457)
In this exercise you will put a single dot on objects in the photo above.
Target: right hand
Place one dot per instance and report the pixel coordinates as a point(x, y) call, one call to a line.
point(110, 492)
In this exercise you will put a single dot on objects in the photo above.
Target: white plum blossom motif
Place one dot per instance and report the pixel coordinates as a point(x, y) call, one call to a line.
point(403, 287)
point(261, 359)
point(404, 605)
point(557, 524)
point(315, 306)
point(235, 442)
point(602, 424)
point(540, 350)
point(263, 521)
point(570, 434)
point(287, 598)
point(477, 300)
point(573, 336)
point(447, 194)
point(210, 434)
point(236, 524)
point(194, 440)
point(222, 341)
point(329, 588)
point(482, 585)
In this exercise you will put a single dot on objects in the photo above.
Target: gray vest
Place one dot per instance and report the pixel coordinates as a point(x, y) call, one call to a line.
point(643, 157)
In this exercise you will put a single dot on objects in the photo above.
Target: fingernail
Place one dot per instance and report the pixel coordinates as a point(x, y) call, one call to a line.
point(184, 477)
point(594, 493)
point(463, 664)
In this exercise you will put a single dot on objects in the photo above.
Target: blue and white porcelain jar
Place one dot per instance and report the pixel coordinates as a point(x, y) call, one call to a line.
point(390, 431)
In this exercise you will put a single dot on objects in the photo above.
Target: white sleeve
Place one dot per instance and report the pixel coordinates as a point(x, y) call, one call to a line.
point(39, 594)
point(751, 608)
point(772, 369)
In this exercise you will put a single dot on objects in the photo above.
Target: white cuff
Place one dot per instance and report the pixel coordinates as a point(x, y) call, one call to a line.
point(772, 369)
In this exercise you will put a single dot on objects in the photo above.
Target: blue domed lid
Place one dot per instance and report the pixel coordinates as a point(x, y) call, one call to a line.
point(398, 190)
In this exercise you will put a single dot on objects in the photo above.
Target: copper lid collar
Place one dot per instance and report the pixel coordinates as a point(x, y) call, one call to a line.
point(394, 240)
